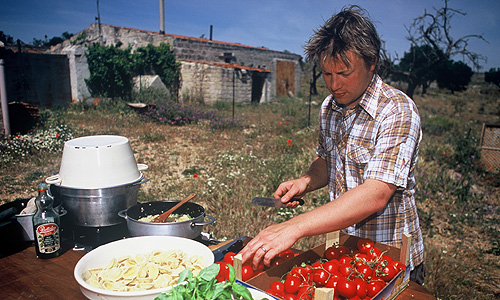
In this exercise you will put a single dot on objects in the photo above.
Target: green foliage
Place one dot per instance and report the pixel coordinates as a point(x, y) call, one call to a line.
point(112, 69)
point(493, 76)
point(204, 286)
point(454, 75)
point(157, 60)
point(109, 68)
point(421, 62)
point(438, 125)
point(52, 41)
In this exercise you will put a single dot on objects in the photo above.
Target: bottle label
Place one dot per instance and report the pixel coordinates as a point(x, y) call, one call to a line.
point(47, 237)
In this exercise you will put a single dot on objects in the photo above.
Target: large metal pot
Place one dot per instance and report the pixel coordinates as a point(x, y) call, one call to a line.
point(189, 229)
point(97, 207)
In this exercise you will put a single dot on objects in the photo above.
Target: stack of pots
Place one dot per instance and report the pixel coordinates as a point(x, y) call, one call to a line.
point(98, 178)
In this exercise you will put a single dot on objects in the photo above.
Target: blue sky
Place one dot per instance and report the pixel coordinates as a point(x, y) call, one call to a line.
point(275, 24)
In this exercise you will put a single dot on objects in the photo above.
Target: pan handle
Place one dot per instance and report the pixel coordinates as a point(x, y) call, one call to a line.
point(123, 213)
point(212, 219)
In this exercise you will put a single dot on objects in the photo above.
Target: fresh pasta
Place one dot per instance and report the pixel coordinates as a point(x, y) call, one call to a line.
point(171, 218)
point(157, 269)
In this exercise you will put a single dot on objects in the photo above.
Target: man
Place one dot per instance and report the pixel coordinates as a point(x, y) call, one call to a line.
point(367, 150)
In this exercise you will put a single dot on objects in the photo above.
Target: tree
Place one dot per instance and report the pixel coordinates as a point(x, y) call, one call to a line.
point(453, 75)
point(493, 76)
point(5, 38)
point(421, 62)
point(432, 33)
point(53, 41)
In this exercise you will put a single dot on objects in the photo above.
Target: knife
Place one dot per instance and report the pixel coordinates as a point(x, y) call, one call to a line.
point(273, 202)
point(234, 246)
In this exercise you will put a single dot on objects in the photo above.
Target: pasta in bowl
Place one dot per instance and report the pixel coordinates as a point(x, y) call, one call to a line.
point(139, 267)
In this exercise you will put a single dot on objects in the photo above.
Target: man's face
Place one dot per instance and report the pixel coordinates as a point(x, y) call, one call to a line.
point(346, 84)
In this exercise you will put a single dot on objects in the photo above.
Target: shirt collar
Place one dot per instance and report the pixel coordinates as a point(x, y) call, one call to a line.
point(369, 98)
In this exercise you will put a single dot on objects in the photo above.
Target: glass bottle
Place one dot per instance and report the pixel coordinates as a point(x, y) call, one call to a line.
point(46, 225)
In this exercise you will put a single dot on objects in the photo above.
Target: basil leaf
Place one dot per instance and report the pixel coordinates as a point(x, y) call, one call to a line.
point(209, 272)
point(242, 291)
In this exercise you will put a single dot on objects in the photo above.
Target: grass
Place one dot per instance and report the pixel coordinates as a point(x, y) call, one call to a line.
point(227, 162)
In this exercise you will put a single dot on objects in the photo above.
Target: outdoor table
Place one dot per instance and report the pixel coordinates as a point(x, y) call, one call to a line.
point(24, 276)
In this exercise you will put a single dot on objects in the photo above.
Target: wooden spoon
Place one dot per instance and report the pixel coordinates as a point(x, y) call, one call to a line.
point(161, 218)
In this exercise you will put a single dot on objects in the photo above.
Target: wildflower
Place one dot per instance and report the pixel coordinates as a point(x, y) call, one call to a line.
point(57, 135)
point(286, 123)
point(289, 141)
point(279, 123)
point(195, 176)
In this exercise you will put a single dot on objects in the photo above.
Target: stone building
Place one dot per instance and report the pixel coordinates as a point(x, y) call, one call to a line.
point(211, 70)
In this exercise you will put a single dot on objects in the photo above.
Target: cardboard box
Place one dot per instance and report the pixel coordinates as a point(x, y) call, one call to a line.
point(391, 290)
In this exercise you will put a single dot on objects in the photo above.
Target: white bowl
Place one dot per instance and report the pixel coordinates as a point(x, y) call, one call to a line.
point(102, 255)
point(97, 162)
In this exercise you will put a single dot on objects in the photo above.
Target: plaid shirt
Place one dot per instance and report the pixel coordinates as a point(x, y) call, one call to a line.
point(382, 138)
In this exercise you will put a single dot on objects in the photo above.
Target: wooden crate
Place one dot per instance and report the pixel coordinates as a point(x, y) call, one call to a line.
point(391, 290)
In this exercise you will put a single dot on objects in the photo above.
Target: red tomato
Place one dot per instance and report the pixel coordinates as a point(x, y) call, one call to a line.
point(386, 258)
point(223, 274)
point(292, 284)
point(290, 297)
point(374, 287)
point(277, 261)
point(344, 250)
point(360, 259)
point(389, 272)
point(278, 287)
point(306, 292)
point(365, 245)
point(401, 266)
point(332, 283)
point(300, 272)
point(331, 265)
point(346, 288)
point(229, 258)
point(361, 287)
point(246, 272)
point(365, 270)
point(345, 260)
point(375, 253)
point(345, 270)
point(320, 277)
point(331, 253)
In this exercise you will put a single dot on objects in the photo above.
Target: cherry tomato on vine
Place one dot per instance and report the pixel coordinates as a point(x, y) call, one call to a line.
point(401, 266)
point(365, 270)
point(365, 245)
point(331, 253)
point(331, 265)
point(374, 287)
point(344, 250)
point(292, 284)
point(290, 297)
point(306, 292)
point(389, 272)
point(346, 288)
point(229, 258)
point(246, 272)
point(345, 260)
point(375, 253)
point(320, 277)
point(278, 287)
point(223, 274)
point(361, 287)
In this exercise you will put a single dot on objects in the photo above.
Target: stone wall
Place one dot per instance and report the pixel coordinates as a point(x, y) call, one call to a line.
point(194, 49)
point(219, 82)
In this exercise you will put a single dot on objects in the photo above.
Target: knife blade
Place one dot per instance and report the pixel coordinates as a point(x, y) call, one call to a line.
point(234, 246)
point(273, 202)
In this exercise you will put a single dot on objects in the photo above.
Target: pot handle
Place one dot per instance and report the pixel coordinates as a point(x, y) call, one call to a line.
point(141, 182)
point(54, 179)
point(212, 219)
point(142, 167)
point(123, 213)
